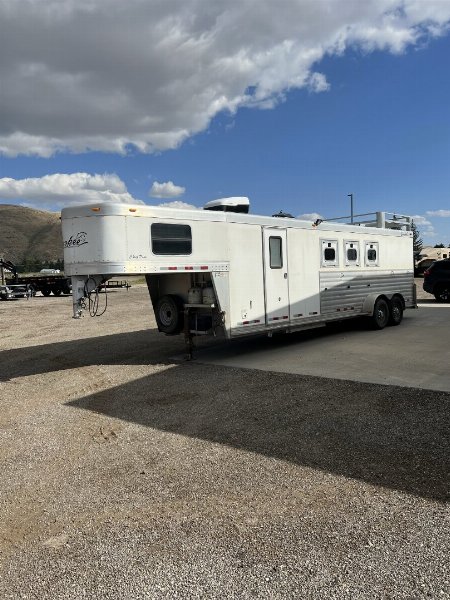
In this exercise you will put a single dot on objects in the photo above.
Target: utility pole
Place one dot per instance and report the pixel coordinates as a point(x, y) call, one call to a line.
point(351, 207)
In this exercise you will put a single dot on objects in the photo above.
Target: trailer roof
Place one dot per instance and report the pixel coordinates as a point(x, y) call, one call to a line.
point(162, 212)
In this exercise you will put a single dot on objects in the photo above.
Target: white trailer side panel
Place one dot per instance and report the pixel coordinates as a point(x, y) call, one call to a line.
point(246, 277)
point(304, 262)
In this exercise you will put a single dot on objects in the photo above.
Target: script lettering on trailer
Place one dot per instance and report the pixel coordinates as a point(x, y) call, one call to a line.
point(76, 240)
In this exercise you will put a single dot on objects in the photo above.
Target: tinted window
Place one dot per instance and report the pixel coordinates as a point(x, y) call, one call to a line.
point(352, 254)
point(329, 254)
point(442, 266)
point(276, 253)
point(171, 239)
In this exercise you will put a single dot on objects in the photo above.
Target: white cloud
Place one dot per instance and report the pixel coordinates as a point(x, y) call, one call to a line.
point(60, 189)
point(166, 190)
point(425, 227)
point(419, 220)
point(179, 204)
point(318, 83)
point(310, 216)
point(150, 74)
point(438, 213)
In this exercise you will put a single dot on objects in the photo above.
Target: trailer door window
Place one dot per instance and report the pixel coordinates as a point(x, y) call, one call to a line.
point(329, 253)
point(371, 254)
point(352, 253)
point(169, 238)
point(275, 252)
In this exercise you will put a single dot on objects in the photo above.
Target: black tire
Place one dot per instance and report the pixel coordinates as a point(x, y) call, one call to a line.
point(396, 313)
point(169, 315)
point(57, 291)
point(380, 317)
point(442, 293)
point(46, 291)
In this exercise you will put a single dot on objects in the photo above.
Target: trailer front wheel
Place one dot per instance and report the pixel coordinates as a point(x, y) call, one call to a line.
point(380, 317)
point(169, 315)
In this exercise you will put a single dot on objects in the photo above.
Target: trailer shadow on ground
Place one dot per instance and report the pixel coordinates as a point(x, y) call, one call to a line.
point(137, 347)
point(384, 435)
point(142, 347)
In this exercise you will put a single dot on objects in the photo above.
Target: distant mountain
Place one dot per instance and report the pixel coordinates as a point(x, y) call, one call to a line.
point(28, 235)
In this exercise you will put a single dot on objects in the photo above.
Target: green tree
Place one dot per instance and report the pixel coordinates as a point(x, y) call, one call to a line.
point(439, 246)
point(417, 240)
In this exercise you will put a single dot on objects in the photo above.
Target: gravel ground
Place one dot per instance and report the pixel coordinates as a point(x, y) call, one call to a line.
point(127, 474)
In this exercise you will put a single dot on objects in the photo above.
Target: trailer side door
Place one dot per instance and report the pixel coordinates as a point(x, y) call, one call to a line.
point(275, 275)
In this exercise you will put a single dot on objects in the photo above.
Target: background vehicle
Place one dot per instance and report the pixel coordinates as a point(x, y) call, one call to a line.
point(13, 292)
point(436, 280)
point(45, 283)
point(422, 266)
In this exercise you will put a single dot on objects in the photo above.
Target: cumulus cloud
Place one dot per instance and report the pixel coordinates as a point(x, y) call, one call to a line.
point(166, 190)
point(147, 75)
point(179, 204)
point(310, 216)
point(438, 213)
point(421, 220)
point(60, 189)
point(425, 227)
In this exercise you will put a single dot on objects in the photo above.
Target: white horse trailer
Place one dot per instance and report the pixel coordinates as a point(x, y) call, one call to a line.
point(216, 270)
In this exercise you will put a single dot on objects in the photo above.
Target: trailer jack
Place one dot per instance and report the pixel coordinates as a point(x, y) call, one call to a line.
point(82, 286)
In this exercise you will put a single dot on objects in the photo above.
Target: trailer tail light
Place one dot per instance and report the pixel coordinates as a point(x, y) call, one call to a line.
point(426, 273)
point(95, 208)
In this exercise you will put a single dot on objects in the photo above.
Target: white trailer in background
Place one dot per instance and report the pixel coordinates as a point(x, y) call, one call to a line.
point(223, 270)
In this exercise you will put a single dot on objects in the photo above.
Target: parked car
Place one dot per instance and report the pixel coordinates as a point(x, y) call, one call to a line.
point(13, 292)
point(422, 266)
point(436, 280)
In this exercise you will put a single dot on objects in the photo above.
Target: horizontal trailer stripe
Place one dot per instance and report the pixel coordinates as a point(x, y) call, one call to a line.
point(214, 267)
point(202, 268)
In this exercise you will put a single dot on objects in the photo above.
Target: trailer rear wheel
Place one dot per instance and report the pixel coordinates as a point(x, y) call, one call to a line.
point(169, 315)
point(57, 291)
point(46, 291)
point(380, 317)
point(396, 315)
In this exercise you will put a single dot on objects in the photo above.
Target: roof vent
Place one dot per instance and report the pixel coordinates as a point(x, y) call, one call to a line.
point(237, 204)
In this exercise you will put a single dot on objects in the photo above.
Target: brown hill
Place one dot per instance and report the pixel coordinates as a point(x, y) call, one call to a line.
point(26, 233)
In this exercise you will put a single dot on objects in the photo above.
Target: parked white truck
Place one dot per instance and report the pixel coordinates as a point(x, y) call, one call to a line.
point(222, 269)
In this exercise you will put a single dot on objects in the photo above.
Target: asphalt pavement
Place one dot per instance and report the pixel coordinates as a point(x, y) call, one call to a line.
point(413, 354)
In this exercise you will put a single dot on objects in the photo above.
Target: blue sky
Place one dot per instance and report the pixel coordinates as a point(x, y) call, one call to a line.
point(371, 118)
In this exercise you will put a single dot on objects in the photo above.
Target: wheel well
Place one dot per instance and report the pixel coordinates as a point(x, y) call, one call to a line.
point(370, 301)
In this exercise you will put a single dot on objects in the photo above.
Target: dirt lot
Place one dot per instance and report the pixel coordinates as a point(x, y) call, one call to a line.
point(127, 474)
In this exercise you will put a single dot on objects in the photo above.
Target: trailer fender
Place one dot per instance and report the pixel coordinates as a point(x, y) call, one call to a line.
point(369, 302)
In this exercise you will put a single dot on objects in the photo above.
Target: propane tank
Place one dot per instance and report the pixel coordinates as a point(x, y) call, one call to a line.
point(195, 295)
point(208, 295)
